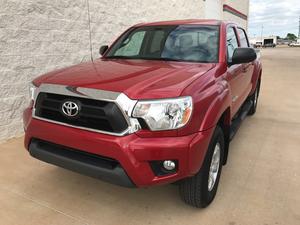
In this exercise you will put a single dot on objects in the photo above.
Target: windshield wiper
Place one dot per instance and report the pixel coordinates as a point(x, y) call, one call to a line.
point(170, 59)
point(154, 58)
point(119, 57)
point(162, 59)
point(183, 60)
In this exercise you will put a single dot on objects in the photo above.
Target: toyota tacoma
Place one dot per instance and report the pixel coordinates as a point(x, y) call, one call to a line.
point(160, 106)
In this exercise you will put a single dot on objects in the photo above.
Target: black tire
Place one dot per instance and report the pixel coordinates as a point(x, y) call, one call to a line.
point(194, 190)
point(254, 99)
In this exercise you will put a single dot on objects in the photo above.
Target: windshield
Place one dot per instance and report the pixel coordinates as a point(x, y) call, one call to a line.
point(175, 43)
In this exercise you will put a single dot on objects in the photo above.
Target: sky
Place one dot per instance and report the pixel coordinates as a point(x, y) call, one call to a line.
point(278, 17)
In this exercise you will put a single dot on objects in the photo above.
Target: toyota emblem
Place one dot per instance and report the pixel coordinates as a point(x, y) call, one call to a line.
point(70, 109)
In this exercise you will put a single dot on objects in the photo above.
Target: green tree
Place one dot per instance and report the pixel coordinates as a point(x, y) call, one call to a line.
point(291, 37)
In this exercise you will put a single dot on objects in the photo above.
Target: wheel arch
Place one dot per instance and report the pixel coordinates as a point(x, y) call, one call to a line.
point(256, 77)
point(217, 108)
point(224, 123)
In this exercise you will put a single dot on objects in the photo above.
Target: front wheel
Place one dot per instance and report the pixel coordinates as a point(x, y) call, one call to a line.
point(200, 190)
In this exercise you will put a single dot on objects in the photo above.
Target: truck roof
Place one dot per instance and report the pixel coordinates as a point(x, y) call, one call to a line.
point(184, 22)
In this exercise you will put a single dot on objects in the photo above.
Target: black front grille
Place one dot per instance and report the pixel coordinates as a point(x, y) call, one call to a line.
point(93, 114)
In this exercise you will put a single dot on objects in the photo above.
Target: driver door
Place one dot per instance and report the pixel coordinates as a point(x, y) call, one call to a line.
point(234, 72)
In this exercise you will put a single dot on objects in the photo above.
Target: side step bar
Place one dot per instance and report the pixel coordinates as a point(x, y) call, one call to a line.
point(235, 125)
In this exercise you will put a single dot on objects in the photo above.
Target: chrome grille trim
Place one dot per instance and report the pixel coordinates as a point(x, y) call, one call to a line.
point(125, 104)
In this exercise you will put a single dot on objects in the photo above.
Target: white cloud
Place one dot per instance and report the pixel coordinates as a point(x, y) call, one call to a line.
point(277, 17)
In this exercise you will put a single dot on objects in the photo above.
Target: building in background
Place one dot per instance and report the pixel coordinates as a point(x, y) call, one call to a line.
point(267, 41)
point(39, 36)
point(232, 10)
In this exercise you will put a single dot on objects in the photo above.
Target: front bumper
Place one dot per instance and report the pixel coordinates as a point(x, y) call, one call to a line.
point(134, 153)
point(89, 164)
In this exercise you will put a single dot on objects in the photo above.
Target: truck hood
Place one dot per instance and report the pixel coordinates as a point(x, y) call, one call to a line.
point(138, 79)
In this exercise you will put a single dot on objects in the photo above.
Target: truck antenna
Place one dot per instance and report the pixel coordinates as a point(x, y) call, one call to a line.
point(90, 32)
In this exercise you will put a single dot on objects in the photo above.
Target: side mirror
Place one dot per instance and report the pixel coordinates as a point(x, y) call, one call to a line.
point(103, 49)
point(243, 55)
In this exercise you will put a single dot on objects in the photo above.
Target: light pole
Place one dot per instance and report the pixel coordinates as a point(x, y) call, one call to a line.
point(261, 35)
point(299, 29)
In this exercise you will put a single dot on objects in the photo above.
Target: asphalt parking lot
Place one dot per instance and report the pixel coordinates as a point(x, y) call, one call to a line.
point(260, 185)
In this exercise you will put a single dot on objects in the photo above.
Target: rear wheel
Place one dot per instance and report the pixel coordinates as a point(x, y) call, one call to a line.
point(200, 190)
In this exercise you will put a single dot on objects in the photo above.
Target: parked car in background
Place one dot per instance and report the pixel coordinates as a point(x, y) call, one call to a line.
point(294, 44)
point(257, 45)
point(160, 106)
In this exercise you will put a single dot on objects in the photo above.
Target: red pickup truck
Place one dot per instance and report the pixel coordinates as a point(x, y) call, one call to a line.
point(160, 106)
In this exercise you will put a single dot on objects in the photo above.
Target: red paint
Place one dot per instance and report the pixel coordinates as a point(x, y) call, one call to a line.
point(235, 12)
point(138, 79)
point(210, 86)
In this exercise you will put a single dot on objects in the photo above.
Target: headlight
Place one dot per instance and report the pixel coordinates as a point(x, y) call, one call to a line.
point(167, 114)
point(32, 91)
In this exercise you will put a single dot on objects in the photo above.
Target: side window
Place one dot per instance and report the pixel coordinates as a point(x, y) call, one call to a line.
point(243, 38)
point(132, 45)
point(232, 43)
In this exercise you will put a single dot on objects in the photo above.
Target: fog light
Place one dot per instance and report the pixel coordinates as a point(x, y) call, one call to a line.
point(169, 165)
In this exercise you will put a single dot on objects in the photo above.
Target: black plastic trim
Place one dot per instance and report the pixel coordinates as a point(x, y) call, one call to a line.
point(236, 123)
point(99, 167)
point(93, 114)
